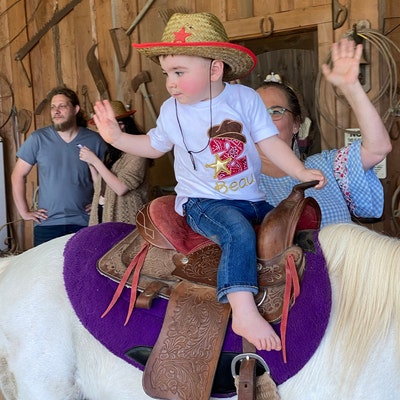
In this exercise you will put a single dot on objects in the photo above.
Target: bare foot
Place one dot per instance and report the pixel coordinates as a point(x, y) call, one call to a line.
point(248, 322)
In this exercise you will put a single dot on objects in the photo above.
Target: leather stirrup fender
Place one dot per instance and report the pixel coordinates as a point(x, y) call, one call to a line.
point(281, 262)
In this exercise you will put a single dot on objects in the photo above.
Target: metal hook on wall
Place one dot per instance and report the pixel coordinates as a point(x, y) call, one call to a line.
point(265, 32)
point(339, 14)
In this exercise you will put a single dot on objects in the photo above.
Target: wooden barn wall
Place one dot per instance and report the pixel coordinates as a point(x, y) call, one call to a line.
point(60, 57)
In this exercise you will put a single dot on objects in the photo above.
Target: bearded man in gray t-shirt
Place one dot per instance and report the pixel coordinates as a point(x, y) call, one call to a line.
point(65, 182)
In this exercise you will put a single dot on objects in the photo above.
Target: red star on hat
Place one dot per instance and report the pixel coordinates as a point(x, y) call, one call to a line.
point(180, 36)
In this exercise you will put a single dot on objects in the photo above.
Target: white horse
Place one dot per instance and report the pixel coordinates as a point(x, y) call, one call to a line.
point(47, 354)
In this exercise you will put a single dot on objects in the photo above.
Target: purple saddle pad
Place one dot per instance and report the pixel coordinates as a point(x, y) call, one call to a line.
point(90, 294)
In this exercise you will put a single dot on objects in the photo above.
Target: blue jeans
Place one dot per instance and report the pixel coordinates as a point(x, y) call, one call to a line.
point(42, 234)
point(230, 223)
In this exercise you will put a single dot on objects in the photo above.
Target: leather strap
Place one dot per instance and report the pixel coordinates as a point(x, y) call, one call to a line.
point(292, 285)
point(264, 389)
point(248, 385)
point(135, 266)
point(247, 380)
point(145, 299)
point(183, 361)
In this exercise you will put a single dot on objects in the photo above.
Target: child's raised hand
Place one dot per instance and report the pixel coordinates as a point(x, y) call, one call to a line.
point(105, 121)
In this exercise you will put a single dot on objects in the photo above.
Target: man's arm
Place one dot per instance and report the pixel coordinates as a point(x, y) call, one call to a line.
point(18, 181)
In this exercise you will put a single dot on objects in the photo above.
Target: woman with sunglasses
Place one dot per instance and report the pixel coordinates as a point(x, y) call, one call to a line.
point(352, 189)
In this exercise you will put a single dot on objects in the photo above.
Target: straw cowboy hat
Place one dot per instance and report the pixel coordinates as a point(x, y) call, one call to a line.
point(119, 109)
point(202, 35)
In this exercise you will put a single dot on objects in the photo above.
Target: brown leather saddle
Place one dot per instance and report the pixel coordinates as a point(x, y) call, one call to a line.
point(165, 257)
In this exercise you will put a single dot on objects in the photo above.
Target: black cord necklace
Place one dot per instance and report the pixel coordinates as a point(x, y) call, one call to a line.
point(191, 152)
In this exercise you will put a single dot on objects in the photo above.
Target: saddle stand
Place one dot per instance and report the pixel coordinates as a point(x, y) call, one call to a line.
point(165, 257)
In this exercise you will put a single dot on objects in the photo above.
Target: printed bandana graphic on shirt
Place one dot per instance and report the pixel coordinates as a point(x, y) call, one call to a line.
point(227, 143)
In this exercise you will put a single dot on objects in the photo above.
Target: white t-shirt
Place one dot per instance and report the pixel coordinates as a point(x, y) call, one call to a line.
point(225, 163)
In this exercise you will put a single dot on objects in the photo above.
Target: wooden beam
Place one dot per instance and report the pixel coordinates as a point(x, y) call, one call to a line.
point(249, 28)
point(237, 9)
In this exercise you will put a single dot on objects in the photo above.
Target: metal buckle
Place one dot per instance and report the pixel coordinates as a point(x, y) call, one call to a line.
point(264, 296)
point(247, 356)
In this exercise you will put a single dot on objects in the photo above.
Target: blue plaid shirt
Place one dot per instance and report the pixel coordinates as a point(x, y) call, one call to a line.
point(349, 190)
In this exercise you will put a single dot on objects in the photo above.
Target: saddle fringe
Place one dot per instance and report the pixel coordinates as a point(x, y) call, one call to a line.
point(292, 291)
point(135, 266)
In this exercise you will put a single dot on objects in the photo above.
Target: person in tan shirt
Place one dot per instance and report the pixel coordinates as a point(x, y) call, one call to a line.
point(121, 181)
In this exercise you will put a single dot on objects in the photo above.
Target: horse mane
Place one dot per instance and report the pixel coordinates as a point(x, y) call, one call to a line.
point(364, 269)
